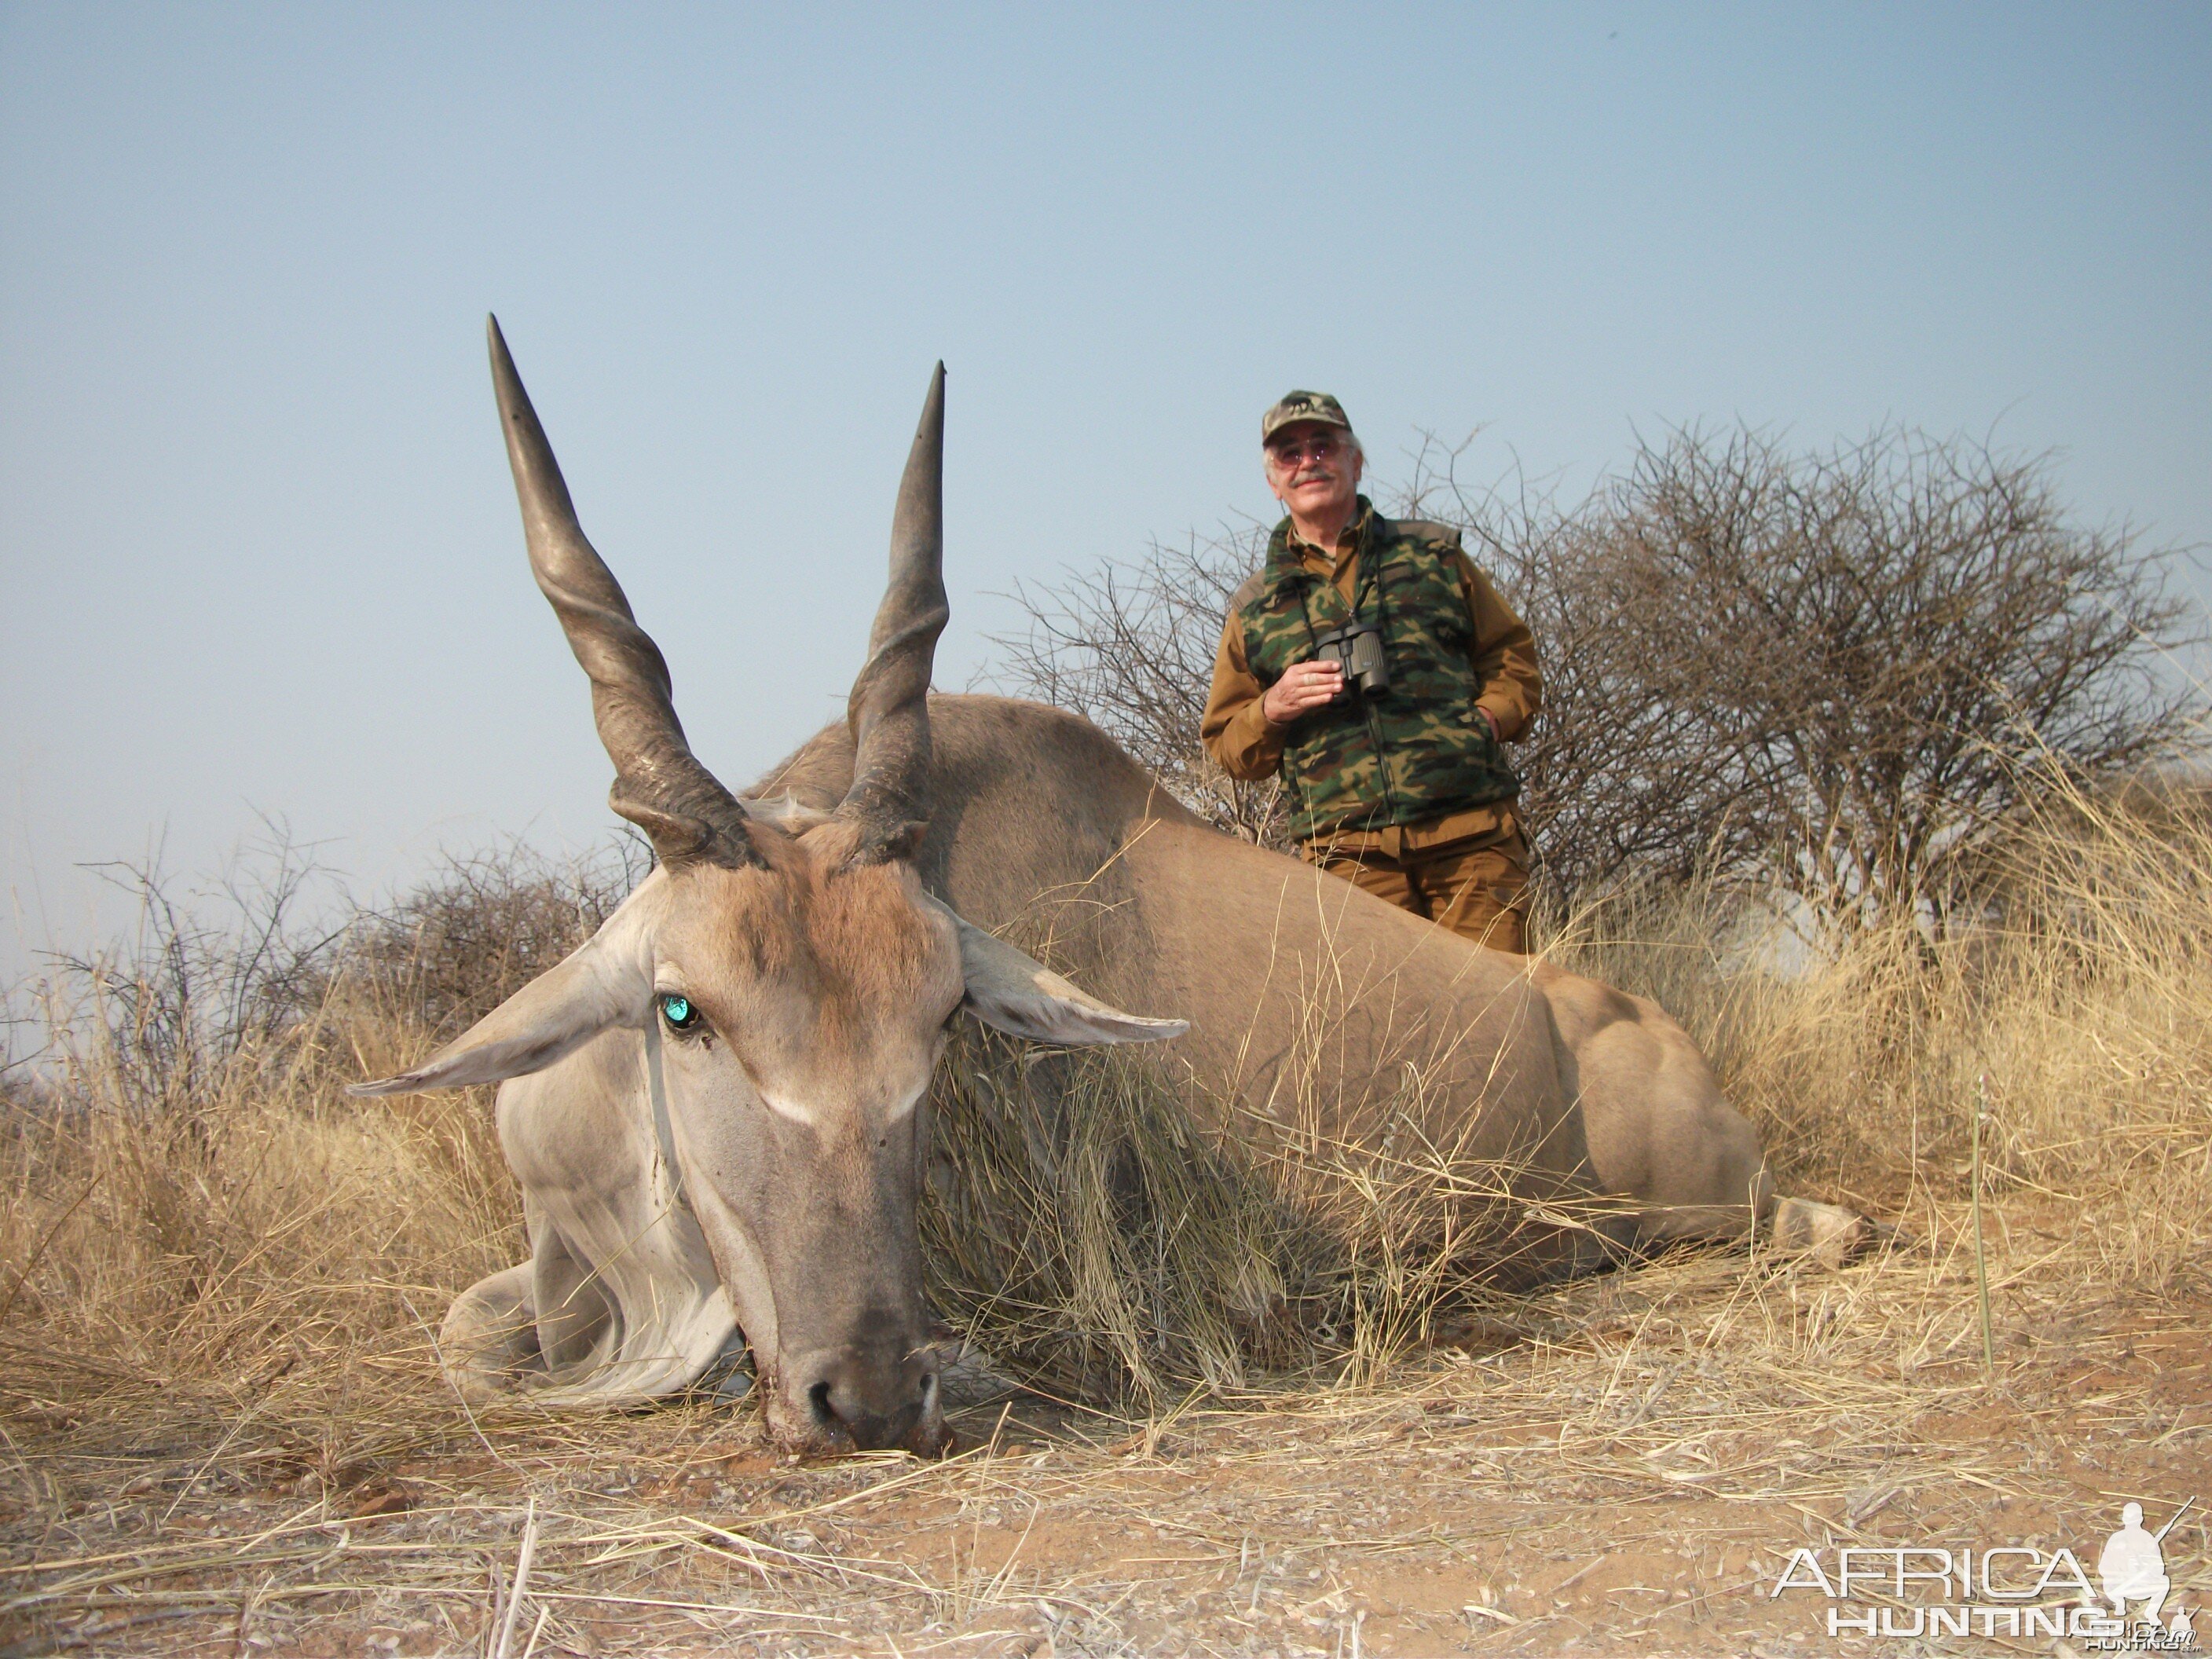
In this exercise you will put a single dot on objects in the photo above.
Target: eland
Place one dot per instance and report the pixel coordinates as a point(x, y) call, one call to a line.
point(717, 1107)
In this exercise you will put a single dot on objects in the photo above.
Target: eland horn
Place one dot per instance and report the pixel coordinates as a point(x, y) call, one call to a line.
point(889, 709)
point(660, 784)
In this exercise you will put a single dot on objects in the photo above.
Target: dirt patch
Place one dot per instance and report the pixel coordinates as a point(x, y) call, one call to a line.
point(1633, 1482)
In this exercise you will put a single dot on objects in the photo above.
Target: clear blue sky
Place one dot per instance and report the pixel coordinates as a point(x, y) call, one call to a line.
point(258, 545)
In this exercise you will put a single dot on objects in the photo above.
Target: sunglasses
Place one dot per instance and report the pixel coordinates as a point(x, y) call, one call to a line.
point(1296, 450)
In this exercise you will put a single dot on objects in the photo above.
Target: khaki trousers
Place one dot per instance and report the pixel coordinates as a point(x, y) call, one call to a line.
point(1480, 893)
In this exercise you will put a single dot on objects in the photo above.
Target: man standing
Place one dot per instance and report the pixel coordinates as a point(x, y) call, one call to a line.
point(1397, 777)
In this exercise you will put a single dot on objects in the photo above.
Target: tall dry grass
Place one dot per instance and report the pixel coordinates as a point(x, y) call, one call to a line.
point(202, 1227)
point(2070, 1002)
point(1082, 1228)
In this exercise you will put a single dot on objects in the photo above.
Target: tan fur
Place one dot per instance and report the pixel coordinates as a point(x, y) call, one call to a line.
point(813, 954)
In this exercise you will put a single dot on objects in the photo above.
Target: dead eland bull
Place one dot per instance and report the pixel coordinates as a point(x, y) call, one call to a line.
point(717, 1107)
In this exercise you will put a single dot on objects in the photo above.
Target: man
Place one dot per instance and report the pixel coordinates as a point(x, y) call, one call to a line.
point(1398, 781)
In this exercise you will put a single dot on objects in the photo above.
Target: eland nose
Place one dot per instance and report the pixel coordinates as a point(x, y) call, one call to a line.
point(876, 1404)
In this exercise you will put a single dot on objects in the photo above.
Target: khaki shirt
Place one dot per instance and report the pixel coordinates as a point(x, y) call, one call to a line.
point(1247, 744)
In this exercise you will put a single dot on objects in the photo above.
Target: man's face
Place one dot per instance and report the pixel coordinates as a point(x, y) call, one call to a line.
point(1314, 469)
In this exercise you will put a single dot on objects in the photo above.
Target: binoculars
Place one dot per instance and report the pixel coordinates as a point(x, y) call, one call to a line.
point(1357, 650)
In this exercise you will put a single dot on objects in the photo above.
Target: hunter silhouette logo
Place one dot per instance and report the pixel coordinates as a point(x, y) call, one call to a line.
point(2133, 1568)
point(2005, 1589)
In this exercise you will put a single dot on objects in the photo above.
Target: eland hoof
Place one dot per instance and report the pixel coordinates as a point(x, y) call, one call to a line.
point(1828, 1233)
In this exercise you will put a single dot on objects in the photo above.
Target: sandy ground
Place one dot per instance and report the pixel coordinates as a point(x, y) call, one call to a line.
point(1629, 1479)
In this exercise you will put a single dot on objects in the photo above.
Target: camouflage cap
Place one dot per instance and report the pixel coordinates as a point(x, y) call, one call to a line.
point(1316, 406)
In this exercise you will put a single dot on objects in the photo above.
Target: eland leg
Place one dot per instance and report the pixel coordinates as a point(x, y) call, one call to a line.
point(543, 1320)
point(1663, 1134)
point(487, 1344)
point(578, 1327)
point(1828, 1233)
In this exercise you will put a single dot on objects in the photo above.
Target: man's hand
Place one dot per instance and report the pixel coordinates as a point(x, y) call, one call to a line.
point(1305, 686)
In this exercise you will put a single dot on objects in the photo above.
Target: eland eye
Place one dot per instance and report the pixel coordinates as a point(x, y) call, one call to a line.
point(679, 1013)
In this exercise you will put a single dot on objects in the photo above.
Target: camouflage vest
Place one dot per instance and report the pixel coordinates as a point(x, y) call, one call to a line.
point(1417, 751)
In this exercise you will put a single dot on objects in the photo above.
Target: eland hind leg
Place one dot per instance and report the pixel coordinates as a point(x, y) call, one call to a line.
point(1661, 1133)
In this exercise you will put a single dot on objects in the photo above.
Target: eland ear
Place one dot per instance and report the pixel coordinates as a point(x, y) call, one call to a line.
point(604, 982)
point(1020, 995)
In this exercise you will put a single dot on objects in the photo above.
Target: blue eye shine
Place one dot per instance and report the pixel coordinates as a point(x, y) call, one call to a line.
point(678, 1013)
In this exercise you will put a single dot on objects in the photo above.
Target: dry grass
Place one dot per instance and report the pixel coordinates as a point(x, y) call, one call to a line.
point(2071, 1008)
point(223, 1424)
point(1085, 1233)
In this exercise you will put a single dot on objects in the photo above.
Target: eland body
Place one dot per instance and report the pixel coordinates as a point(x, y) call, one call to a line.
point(717, 1107)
